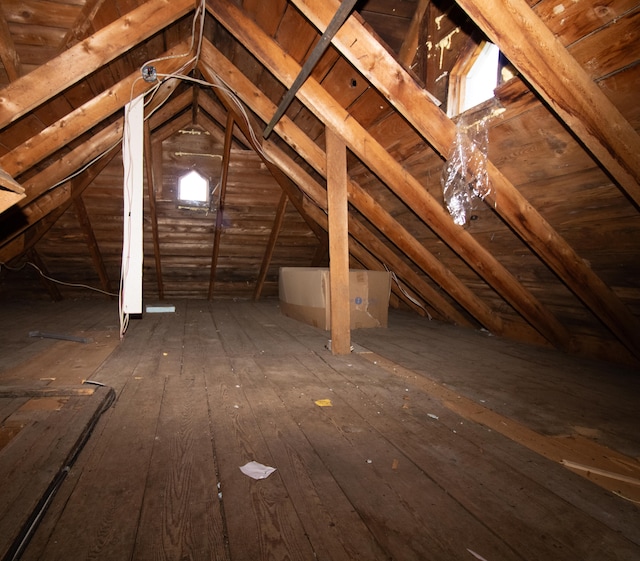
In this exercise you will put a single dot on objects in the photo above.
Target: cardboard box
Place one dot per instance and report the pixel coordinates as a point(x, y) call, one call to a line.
point(304, 295)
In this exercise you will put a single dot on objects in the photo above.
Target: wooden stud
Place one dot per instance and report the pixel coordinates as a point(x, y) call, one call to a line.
point(92, 242)
point(338, 207)
point(228, 136)
point(151, 195)
point(51, 287)
point(410, 44)
point(8, 54)
point(273, 238)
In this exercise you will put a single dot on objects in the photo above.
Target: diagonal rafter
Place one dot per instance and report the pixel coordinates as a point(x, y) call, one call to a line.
point(8, 55)
point(72, 65)
point(547, 65)
point(325, 108)
point(363, 51)
point(87, 116)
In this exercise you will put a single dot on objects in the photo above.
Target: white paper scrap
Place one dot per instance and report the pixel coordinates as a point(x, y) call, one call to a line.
point(476, 555)
point(257, 470)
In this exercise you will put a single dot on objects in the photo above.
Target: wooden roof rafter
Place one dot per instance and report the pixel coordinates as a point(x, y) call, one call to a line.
point(556, 75)
point(8, 55)
point(83, 58)
point(83, 25)
point(360, 142)
point(250, 132)
point(365, 53)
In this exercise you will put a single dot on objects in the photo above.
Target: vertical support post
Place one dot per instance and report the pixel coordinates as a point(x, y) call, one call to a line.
point(228, 138)
point(271, 245)
point(337, 200)
point(151, 192)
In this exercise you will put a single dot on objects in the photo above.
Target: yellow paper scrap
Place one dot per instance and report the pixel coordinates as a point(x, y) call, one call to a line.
point(324, 403)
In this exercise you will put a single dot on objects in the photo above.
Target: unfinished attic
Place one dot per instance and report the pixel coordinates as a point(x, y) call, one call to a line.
point(311, 279)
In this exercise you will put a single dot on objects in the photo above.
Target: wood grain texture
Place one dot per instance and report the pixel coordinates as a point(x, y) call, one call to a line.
point(394, 468)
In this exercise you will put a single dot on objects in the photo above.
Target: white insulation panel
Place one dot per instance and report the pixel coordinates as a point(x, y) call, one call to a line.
point(132, 249)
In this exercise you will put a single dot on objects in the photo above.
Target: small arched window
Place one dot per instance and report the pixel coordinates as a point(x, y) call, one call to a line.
point(193, 189)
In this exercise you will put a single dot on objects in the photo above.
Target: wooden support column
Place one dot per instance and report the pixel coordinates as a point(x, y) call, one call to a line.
point(228, 139)
point(195, 106)
point(151, 192)
point(362, 201)
point(271, 245)
point(337, 202)
point(92, 243)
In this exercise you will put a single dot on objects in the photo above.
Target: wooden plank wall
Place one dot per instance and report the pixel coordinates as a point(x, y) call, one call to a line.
point(186, 236)
point(537, 154)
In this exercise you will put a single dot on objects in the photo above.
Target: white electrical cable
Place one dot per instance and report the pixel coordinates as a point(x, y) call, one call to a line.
point(199, 18)
point(407, 295)
point(64, 283)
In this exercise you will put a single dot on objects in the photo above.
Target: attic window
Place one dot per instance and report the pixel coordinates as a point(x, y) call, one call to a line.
point(193, 189)
point(473, 78)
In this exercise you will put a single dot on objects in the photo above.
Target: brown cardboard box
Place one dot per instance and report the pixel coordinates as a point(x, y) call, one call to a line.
point(304, 295)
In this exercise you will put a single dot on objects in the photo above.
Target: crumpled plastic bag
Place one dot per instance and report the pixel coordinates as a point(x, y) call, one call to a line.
point(257, 470)
point(465, 175)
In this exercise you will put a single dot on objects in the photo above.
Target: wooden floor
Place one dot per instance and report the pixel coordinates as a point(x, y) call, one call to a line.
point(436, 443)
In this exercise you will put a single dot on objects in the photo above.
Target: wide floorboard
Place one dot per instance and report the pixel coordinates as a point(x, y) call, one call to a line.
point(427, 442)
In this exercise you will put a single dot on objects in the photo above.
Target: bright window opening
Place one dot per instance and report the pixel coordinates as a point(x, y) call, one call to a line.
point(482, 79)
point(474, 78)
point(193, 188)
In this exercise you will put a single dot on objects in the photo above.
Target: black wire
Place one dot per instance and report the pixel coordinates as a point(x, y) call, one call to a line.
point(23, 538)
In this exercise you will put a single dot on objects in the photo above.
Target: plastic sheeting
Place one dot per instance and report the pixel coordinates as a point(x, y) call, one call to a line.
point(464, 176)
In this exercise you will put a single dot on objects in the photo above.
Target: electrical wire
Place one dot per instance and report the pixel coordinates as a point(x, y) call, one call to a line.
point(17, 547)
point(64, 283)
point(197, 35)
point(406, 293)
